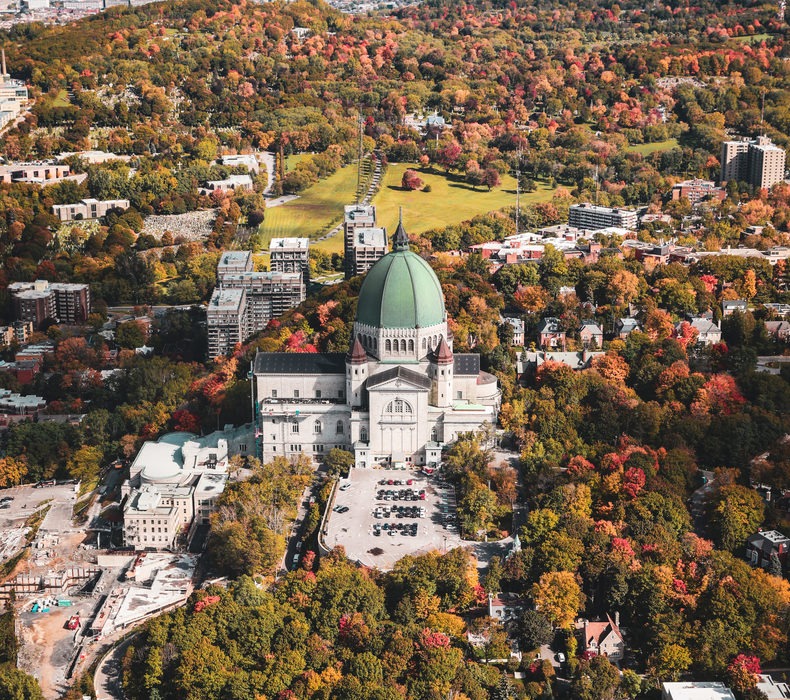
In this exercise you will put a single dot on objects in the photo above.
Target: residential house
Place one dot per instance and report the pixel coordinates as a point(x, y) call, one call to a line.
point(505, 606)
point(518, 330)
point(625, 326)
point(528, 362)
point(591, 334)
point(603, 638)
point(550, 334)
point(730, 306)
point(708, 333)
point(762, 545)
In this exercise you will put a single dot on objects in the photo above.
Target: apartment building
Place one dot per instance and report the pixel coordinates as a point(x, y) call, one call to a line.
point(39, 301)
point(356, 217)
point(696, 190)
point(369, 246)
point(290, 255)
point(592, 217)
point(226, 319)
point(88, 209)
point(758, 161)
point(245, 301)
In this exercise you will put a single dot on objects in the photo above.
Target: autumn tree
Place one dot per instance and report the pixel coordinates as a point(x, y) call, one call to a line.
point(558, 596)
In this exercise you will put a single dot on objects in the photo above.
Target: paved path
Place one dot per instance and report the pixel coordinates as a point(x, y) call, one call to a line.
point(107, 679)
point(270, 161)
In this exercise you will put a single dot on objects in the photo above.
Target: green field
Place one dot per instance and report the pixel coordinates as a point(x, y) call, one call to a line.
point(450, 200)
point(61, 99)
point(753, 38)
point(647, 148)
point(316, 210)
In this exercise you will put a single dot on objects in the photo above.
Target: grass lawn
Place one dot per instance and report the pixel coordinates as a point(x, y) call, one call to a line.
point(450, 200)
point(316, 210)
point(647, 148)
point(61, 99)
point(753, 38)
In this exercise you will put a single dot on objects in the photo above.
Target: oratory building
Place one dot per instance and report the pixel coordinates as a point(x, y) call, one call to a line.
point(397, 396)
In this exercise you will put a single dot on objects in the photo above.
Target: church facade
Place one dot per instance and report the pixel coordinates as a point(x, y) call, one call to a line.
point(398, 395)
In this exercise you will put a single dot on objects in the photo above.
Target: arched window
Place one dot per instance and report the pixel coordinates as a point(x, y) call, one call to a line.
point(434, 435)
point(398, 406)
point(411, 346)
point(388, 345)
point(317, 427)
point(375, 344)
point(339, 428)
point(363, 434)
point(402, 345)
point(424, 344)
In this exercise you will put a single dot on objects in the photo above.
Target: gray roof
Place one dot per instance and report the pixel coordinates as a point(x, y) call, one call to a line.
point(300, 363)
point(466, 364)
point(399, 372)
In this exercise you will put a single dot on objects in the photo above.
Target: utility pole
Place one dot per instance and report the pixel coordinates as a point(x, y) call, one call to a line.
point(359, 160)
point(518, 186)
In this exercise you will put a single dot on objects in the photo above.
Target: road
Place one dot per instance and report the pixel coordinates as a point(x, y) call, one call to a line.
point(107, 679)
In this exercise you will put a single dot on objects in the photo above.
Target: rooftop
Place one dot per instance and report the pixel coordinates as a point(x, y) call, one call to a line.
point(226, 299)
point(300, 363)
point(289, 243)
point(690, 690)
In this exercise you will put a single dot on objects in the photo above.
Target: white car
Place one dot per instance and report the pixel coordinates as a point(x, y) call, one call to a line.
point(561, 658)
point(346, 486)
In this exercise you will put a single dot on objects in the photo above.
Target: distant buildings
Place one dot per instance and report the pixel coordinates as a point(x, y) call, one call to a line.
point(697, 190)
point(13, 96)
point(174, 484)
point(708, 333)
point(18, 333)
point(730, 306)
point(758, 161)
point(17, 404)
point(245, 301)
point(229, 184)
point(290, 255)
point(761, 545)
point(249, 161)
point(39, 172)
point(88, 209)
point(593, 217)
point(364, 242)
point(591, 334)
point(39, 301)
point(518, 329)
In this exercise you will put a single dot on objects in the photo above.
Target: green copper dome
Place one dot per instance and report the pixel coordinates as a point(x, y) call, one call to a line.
point(401, 291)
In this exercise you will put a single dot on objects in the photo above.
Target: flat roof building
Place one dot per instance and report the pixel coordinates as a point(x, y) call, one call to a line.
point(758, 161)
point(695, 690)
point(88, 209)
point(592, 217)
point(290, 255)
point(369, 246)
point(226, 318)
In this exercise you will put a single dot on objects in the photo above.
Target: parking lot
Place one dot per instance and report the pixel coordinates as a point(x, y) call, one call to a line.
point(366, 498)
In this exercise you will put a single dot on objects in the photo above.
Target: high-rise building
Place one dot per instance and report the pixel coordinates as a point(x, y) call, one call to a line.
point(758, 161)
point(226, 318)
point(734, 161)
point(766, 163)
point(370, 245)
point(290, 255)
point(592, 217)
point(357, 216)
point(245, 301)
point(39, 301)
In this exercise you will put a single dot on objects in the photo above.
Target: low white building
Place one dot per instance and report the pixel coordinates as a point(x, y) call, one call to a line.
point(229, 184)
point(174, 484)
point(88, 209)
point(694, 690)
